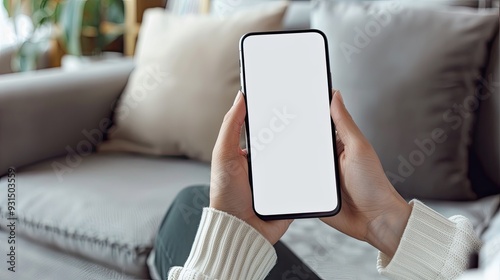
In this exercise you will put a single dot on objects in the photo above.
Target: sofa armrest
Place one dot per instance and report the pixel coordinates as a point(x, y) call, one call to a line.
point(53, 112)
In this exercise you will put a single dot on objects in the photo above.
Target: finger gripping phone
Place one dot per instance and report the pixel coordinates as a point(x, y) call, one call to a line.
point(292, 159)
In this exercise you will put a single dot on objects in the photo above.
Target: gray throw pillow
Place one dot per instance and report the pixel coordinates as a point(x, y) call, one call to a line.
point(409, 76)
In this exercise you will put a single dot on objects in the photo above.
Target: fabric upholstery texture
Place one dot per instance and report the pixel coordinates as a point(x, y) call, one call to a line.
point(411, 91)
point(52, 112)
point(107, 209)
point(178, 93)
point(37, 261)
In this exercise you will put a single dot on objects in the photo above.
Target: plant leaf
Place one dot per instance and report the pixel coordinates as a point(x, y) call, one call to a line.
point(8, 7)
point(116, 11)
point(43, 4)
point(70, 20)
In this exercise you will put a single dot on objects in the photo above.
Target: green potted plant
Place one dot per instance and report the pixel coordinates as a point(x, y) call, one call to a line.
point(33, 38)
point(84, 27)
point(88, 28)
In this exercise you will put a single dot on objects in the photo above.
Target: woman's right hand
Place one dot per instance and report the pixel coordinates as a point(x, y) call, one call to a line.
point(372, 210)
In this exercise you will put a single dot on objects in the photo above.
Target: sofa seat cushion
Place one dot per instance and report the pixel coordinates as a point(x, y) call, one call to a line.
point(41, 262)
point(106, 209)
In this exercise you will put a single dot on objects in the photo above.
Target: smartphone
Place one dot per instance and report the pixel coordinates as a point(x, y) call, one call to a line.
point(290, 136)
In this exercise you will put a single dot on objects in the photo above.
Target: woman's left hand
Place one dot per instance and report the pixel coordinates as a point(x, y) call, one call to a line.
point(229, 184)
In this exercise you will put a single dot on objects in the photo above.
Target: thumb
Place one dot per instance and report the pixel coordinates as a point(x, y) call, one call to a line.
point(229, 134)
point(347, 129)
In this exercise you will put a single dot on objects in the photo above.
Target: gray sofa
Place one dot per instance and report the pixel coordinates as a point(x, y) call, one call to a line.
point(88, 215)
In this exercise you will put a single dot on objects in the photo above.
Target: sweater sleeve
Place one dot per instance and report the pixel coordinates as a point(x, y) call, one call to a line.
point(432, 247)
point(226, 247)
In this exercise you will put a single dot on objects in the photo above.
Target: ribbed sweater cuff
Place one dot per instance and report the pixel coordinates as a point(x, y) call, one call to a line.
point(226, 247)
point(432, 247)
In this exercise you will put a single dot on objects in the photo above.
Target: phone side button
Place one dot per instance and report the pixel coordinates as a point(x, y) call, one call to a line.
point(241, 81)
point(330, 79)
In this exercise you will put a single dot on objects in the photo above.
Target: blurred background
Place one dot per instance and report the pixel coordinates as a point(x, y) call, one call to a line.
point(36, 34)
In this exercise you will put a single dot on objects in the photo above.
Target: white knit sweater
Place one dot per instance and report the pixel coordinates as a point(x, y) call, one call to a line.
point(432, 247)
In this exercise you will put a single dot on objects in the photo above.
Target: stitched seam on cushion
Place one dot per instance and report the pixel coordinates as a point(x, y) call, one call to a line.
point(137, 250)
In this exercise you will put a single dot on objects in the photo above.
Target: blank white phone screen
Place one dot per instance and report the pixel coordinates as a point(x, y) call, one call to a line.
point(290, 132)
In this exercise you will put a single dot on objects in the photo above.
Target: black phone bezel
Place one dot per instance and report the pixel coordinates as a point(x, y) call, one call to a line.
point(247, 128)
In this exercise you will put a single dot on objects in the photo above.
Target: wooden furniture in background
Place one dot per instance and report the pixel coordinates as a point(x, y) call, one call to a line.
point(134, 9)
point(205, 6)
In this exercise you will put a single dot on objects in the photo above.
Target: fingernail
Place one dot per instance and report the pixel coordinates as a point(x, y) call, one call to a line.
point(238, 96)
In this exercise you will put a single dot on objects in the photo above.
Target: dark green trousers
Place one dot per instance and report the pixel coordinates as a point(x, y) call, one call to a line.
point(178, 230)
